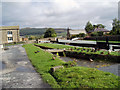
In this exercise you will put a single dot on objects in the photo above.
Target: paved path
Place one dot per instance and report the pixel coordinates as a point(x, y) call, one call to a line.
point(18, 72)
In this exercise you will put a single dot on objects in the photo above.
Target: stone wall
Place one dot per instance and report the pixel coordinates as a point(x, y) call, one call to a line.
point(81, 55)
point(4, 36)
point(15, 35)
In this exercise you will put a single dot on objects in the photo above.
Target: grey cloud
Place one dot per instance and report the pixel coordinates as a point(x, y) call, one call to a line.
point(119, 10)
point(34, 14)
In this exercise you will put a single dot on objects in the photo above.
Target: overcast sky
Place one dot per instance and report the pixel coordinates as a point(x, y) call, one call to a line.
point(58, 13)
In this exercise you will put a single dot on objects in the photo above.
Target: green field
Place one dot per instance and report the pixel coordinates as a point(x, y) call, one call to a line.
point(77, 49)
point(71, 77)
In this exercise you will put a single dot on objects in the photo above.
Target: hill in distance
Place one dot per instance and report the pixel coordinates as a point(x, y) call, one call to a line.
point(40, 31)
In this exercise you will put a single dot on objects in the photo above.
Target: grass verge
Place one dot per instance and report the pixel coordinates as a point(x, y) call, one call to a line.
point(9, 44)
point(55, 46)
point(42, 61)
point(82, 77)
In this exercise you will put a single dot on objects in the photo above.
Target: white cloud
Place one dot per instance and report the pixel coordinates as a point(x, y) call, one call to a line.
point(59, 13)
point(66, 5)
point(59, 0)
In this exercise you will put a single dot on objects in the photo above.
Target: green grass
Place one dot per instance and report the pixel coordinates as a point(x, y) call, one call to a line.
point(9, 44)
point(72, 77)
point(59, 46)
point(42, 61)
point(55, 46)
point(116, 53)
point(81, 77)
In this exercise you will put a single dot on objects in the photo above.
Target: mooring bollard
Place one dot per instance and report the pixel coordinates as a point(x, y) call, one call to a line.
point(53, 69)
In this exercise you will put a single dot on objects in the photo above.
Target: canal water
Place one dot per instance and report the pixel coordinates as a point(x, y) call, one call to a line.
point(100, 65)
point(106, 66)
point(87, 63)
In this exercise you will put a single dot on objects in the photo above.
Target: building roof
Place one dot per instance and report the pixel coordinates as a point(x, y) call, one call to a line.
point(9, 27)
point(99, 29)
point(74, 32)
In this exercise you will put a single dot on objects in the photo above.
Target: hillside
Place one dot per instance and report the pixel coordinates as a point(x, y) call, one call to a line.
point(32, 31)
point(40, 31)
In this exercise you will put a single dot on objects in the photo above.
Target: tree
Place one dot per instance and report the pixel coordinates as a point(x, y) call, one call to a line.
point(39, 37)
point(32, 37)
point(98, 26)
point(115, 22)
point(78, 35)
point(74, 36)
point(100, 33)
point(50, 32)
point(82, 35)
point(116, 27)
point(88, 27)
point(26, 36)
point(94, 34)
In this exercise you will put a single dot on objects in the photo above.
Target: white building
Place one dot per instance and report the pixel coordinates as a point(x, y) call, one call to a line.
point(71, 32)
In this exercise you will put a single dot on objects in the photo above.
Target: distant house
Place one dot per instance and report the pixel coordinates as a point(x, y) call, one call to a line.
point(46, 40)
point(22, 38)
point(98, 30)
point(9, 34)
point(71, 32)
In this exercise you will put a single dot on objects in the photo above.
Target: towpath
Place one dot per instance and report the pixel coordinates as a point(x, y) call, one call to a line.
point(18, 71)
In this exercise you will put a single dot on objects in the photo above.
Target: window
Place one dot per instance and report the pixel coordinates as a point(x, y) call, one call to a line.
point(10, 38)
point(9, 32)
